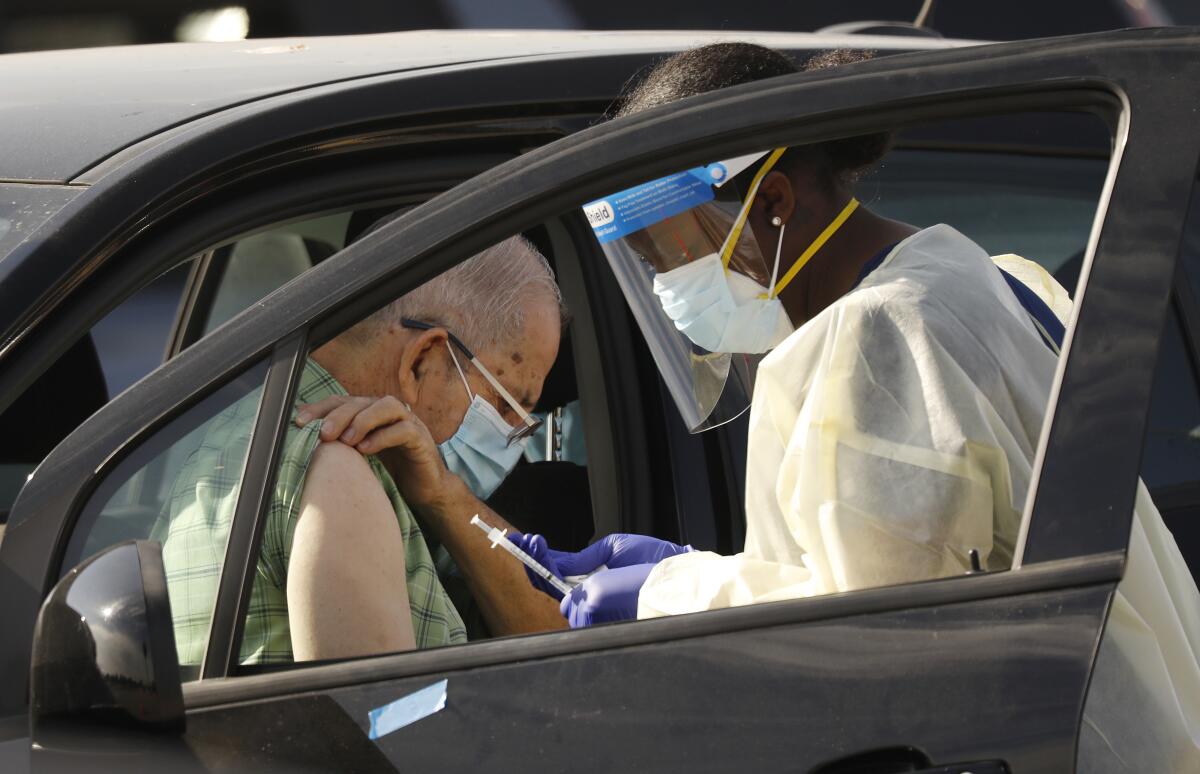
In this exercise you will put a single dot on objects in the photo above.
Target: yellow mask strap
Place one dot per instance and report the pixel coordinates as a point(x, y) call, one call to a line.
point(817, 244)
point(736, 232)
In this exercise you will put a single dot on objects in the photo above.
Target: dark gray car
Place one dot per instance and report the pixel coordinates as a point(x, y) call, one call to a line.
point(988, 672)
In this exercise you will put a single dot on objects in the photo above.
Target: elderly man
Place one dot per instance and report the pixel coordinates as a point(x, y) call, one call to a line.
point(347, 568)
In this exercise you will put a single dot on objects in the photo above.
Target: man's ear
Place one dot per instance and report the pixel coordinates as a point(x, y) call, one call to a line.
point(775, 198)
point(419, 360)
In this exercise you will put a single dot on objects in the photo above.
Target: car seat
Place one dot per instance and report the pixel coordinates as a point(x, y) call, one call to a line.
point(551, 498)
point(257, 265)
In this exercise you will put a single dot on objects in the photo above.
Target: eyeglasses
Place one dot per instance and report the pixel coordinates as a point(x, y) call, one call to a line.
point(529, 423)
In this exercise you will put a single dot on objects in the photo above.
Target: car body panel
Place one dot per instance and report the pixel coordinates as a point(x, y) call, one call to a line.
point(128, 93)
point(786, 698)
point(24, 208)
point(179, 165)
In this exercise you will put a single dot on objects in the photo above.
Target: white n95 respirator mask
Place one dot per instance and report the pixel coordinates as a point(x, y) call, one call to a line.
point(722, 310)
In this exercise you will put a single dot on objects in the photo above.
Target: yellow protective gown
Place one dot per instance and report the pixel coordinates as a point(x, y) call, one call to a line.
point(893, 433)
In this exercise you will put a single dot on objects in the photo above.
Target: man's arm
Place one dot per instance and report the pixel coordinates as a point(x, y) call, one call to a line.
point(507, 600)
point(386, 427)
point(346, 587)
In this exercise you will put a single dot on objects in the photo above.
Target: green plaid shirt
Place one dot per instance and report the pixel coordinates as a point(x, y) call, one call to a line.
point(201, 510)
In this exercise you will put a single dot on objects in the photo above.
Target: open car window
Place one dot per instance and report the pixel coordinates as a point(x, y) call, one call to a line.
point(179, 487)
point(980, 491)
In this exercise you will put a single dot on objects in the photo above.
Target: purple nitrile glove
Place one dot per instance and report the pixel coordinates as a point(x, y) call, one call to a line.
point(613, 551)
point(609, 595)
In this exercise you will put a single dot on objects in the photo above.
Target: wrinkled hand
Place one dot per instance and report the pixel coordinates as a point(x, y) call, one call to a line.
point(612, 551)
point(609, 595)
point(387, 428)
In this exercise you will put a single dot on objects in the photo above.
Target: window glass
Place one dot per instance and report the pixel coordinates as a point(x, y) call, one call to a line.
point(1172, 451)
point(1171, 455)
point(1036, 206)
point(179, 486)
point(125, 345)
point(137, 336)
point(245, 271)
point(132, 339)
point(1189, 250)
point(65, 394)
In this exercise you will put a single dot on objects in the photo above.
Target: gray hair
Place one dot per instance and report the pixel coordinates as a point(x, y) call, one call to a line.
point(481, 300)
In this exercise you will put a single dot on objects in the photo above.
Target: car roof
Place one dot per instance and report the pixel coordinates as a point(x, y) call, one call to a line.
point(63, 111)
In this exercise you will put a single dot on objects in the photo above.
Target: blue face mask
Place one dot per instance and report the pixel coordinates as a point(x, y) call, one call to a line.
point(479, 452)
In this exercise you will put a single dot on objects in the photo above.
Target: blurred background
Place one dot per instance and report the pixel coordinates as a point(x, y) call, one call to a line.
point(29, 25)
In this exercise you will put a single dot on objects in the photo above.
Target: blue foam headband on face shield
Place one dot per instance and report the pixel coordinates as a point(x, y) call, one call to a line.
point(634, 209)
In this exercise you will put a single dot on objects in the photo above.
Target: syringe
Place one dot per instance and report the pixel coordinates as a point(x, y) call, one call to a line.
point(498, 538)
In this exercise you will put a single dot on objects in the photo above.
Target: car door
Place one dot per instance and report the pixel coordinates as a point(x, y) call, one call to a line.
point(987, 672)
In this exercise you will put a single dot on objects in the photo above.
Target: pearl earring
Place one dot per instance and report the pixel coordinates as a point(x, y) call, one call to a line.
point(777, 221)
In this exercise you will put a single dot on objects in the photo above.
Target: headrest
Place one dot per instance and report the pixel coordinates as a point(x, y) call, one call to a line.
point(560, 387)
point(257, 265)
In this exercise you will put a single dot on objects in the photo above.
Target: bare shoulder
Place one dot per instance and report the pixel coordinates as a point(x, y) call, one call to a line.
point(339, 479)
point(336, 458)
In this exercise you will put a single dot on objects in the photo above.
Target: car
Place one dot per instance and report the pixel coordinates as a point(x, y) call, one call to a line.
point(173, 230)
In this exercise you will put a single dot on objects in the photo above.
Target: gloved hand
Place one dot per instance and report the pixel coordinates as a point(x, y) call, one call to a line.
point(612, 551)
point(609, 595)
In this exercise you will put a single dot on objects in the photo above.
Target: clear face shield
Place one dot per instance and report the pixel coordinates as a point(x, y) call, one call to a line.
point(700, 286)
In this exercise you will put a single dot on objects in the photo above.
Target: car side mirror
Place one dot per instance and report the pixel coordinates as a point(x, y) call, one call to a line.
point(105, 673)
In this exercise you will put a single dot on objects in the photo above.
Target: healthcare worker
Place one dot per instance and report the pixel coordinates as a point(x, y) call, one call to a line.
point(894, 420)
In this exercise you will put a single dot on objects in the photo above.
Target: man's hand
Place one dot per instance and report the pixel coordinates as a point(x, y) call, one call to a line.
point(389, 429)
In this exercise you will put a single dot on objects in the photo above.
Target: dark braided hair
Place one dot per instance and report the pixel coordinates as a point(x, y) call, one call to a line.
point(719, 65)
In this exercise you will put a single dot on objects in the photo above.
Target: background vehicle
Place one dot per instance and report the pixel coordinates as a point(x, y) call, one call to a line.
point(97, 223)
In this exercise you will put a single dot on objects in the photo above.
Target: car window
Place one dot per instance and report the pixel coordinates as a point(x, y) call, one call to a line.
point(179, 486)
point(1172, 451)
point(125, 345)
point(248, 269)
point(1171, 455)
point(131, 340)
point(148, 327)
point(66, 394)
point(1036, 206)
point(840, 450)
point(1189, 252)
point(1025, 184)
point(539, 483)
point(985, 485)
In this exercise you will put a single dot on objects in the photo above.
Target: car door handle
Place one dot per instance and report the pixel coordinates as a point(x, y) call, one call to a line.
point(905, 760)
point(979, 767)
